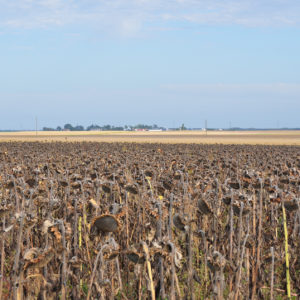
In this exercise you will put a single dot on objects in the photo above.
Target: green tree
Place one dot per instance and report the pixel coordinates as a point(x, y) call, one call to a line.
point(68, 127)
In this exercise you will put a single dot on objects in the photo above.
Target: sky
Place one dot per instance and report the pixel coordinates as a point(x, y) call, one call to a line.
point(167, 62)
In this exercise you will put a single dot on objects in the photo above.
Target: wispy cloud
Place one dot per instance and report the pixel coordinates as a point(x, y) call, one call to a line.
point(287, 89)
point(131, 16)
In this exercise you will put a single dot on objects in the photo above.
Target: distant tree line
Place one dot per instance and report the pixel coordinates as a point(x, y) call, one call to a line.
point(95, 127)
point(70, 127)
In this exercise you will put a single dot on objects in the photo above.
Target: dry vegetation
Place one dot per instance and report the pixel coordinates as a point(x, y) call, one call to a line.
point(149, 221)
point(182, 137)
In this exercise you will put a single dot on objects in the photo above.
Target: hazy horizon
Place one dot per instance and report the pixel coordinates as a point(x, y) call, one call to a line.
point(153, 62)
point(133, 126)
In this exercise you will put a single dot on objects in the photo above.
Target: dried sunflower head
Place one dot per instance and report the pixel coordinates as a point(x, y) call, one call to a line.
point(204, 207)
point(291, 205)
point(135, 257)
point(106, 188)
point(178, 222)
point(237, 208)
point(131, 189)
point(105, 223)
point(41, 260)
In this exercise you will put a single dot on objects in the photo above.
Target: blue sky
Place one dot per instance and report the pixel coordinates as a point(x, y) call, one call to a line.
point(141, 61)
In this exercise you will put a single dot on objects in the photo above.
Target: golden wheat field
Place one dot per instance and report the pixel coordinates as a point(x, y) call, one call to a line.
point(197, 137)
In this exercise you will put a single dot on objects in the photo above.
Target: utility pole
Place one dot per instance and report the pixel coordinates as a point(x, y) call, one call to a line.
point(36, 126)
point(206, 126)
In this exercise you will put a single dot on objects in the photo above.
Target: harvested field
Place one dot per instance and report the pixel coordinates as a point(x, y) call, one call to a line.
point(182, 137)
point(91, 220)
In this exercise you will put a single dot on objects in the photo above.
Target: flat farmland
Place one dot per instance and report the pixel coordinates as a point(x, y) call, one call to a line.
point(181, 137)
point(94, 220)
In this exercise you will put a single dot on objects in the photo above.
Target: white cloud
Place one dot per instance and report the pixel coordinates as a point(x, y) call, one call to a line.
point(129, 27)
point(131, 16)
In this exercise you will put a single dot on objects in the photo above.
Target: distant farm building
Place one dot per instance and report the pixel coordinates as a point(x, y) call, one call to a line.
point(141, 129)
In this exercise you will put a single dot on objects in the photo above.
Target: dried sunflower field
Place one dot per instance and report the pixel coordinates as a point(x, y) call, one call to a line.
point(149, 221)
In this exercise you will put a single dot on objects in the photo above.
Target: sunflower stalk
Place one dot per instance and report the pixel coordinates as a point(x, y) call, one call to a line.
point(286, 249)
point(272, 275)
point(64, 263)
point(2, 259)
point(15, 271)
point(161, 260)
point(80, 244)
point(173, 272)
point(259, 241)
point(146, 250)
